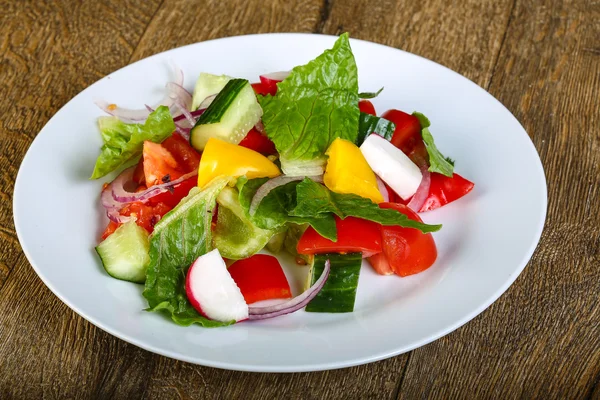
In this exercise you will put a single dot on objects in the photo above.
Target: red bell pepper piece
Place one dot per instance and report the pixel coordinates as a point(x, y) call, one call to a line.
point(367, 107)
point(260, 277)
point(353, 235)
point(444, 190)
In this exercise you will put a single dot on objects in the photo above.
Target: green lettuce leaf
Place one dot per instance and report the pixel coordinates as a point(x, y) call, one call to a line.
point(315, 199)
point(437, 162)
point(179, 238)
point(315, 104)
point(236, 236)
point(274, 210)
point(371, 124)
point(370, 95)
point(123, 142)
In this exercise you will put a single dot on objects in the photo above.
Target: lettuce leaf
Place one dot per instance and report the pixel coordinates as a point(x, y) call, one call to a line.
point(274, 210)
point(123, 142)
point(312, 203)
point(315, 104)
point(179, 238)
point(437, 162)
point(315, 199)
point(370, 95)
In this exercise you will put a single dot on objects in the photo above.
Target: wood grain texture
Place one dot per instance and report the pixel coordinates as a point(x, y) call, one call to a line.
point(541, 59)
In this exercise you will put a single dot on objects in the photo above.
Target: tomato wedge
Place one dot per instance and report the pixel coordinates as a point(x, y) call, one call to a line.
point(110, 229)
point(260, 277)
point(179, 191)
point(258, 142)
point(367, 107)
point(407, 135)
point(186, 156)
point(444, 190)
point(159, 164)
point(408, 251)
point(354, 235)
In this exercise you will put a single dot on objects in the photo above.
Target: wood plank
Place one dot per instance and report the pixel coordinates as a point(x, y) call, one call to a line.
point(542, 338)
point(50, 51)
point(463, 35)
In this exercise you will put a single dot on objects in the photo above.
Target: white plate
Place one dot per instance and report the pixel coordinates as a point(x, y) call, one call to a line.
point(485, 243)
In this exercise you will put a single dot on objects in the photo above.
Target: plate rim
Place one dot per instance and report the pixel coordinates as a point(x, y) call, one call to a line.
point(297, 367)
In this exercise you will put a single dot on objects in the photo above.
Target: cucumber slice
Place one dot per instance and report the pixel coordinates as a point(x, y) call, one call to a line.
point(235, 236)
point(208, 85)
point(339, 292)
point(229, 117)
point(124, 254)
point(276, 243)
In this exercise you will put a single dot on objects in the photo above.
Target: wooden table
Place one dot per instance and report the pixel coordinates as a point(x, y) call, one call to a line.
point(540, 58)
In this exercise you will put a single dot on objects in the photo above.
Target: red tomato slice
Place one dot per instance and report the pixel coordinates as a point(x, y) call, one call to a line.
point(259, 88)
point(256, 141)
point(380, 264)
point(186, 156)
point(146, 215)
point(110, 229)
point(260, 277)
point(353, 235)
point(138, 174)
point(407, 135)
point(408, 251)
point(444, 190)
point(367, 107)
point(173, 198)
point(159, 164)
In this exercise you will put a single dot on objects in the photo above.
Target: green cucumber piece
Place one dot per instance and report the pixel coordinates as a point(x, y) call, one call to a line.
point(229, 117)
point(276, 243)
point(235, 235)
point(208, 85)
point(339, 292)
point(124, 254)
point(368, 124)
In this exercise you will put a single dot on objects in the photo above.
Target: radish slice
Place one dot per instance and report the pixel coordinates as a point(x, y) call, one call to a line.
point(382, 189)
point(271, 184)
point(274, 76)
point(298, 302)
point(420, 196)
point(211, 290)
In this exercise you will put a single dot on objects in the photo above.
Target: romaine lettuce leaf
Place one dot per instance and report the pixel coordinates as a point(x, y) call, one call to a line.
point(274, 210)
point(437, 162)
point(315, 104)
point(179, 238)
point(236, 236)
point(123, 142)
point(315, 199)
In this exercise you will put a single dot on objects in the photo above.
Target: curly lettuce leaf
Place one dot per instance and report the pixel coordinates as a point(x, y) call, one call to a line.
point(315, 199)
point(437, 162)
point(124, 142)
point(179, 238)
point(315, 104)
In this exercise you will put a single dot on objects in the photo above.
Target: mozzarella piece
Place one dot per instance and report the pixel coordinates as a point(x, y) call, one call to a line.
point(392, 166)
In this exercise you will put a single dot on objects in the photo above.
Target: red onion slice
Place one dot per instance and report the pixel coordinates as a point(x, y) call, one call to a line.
point(422, 192)
point(121, 195)
point(271, 184)
point(112, 206)
point(260, 127)
point(298, 302)
point(382, 189)
point(188, 115)
point(175, 92)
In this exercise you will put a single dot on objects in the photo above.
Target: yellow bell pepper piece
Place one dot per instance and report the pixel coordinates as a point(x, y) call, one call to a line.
point(347, 171)
point(220, 158)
